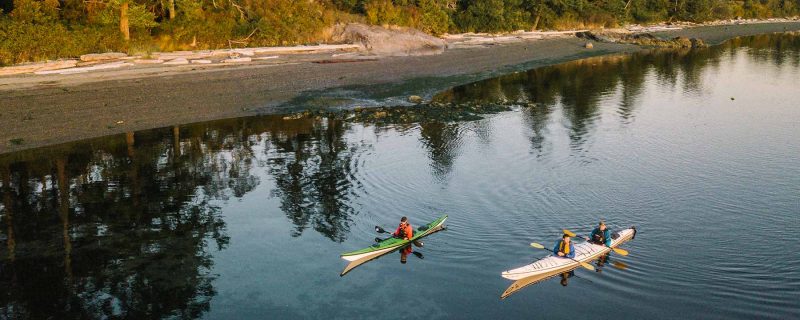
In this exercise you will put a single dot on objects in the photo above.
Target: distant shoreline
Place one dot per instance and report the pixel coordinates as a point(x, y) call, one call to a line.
point(46, 110)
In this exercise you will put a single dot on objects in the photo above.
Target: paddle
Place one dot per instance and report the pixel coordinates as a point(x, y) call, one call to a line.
point(378, 229)
point(583, 264)
point(617, 250)
point(619, 265)
point(417, 243)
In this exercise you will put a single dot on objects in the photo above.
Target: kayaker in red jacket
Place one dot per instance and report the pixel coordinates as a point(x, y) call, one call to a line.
point(404, 230)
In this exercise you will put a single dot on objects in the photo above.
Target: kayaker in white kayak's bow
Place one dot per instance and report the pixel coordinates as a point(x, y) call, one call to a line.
point(564, 247)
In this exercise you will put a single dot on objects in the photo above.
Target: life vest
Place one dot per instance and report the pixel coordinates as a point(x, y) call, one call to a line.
point(599, 236)
point(563, 247)
point(404, 232)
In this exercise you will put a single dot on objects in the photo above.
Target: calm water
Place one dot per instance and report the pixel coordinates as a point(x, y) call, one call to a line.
point(246, 218)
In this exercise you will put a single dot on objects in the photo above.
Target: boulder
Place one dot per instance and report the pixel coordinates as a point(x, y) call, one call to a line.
point(588, 45)
point(698, 43)
point(682, 42)
point(415, 99)
point(392, 41)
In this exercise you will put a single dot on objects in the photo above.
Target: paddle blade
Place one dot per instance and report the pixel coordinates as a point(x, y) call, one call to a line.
point(537, 245)
point(569, 233)
point(380, 230)
point(418, 255)
point(619, 265)
point(587, 266)
point(620, 251)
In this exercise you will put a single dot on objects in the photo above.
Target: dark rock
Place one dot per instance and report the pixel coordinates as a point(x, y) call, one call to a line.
point(698, 43)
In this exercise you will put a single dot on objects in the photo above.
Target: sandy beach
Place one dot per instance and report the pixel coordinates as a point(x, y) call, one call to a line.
point(41, 110)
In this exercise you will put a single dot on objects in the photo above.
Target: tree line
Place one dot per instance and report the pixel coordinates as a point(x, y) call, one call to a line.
point(33, 30)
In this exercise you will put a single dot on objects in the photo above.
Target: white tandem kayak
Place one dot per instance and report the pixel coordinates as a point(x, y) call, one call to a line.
point(584, 252)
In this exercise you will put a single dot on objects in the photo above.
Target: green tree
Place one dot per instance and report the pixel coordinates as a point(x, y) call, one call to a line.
point(434, 19)
point(128, 15)
point(493, 15)
point(32, 11)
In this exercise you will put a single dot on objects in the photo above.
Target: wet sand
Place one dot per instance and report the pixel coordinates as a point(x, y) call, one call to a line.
point(45, 110)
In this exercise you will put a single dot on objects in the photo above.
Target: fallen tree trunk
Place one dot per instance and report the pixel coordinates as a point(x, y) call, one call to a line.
point(28, 68)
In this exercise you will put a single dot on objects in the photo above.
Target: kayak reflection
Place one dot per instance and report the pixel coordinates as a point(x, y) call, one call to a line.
point(410, 250)
point(564, 277)
point(602, 261)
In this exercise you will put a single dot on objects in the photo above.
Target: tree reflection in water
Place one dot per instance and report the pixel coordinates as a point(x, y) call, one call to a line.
point(312, 173)
point(581, 89)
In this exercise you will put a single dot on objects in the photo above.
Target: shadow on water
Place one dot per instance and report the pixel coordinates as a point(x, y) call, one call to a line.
point(127, 225)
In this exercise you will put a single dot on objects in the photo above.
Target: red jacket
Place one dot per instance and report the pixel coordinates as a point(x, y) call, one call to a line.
point(408, 231)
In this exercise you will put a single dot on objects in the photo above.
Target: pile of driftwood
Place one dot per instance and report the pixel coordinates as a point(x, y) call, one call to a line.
point(468, 40)
point(113, 60)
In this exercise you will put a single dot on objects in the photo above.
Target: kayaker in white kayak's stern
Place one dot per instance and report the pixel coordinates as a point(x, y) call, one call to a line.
point(601, 235)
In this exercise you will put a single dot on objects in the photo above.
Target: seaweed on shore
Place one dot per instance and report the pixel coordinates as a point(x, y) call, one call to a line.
point(425, 112)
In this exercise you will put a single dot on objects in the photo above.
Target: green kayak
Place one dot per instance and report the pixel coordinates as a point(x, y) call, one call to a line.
point(359, 257)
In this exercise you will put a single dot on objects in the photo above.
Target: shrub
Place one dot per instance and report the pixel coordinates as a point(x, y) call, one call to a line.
point(289, 22)
point(493, 16)
point(384, 12)
point(24, 41)
point(434, 19)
